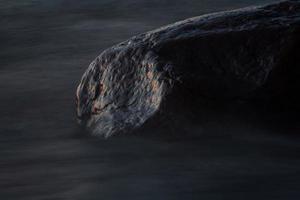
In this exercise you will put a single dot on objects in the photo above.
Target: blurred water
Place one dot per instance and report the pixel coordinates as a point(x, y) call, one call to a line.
point(45, 46)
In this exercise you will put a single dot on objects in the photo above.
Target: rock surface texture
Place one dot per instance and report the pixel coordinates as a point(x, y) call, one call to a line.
point(246, 55)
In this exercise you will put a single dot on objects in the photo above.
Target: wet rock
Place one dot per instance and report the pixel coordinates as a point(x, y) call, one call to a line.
point(246, 55)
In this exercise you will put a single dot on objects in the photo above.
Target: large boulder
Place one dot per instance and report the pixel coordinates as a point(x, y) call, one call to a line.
point(246, 55)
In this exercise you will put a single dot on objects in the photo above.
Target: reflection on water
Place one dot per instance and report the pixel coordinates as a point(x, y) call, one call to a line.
point(45, 48)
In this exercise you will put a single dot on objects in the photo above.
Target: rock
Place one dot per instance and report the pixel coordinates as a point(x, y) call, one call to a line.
point(248, 55)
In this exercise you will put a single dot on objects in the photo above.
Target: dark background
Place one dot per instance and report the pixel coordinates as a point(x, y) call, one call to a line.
point(45, 46)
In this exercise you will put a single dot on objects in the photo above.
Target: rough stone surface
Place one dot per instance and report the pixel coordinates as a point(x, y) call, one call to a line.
point(248, 54)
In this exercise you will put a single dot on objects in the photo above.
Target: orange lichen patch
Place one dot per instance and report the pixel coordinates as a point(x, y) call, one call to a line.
point(96, 110)
point(155, 86)
point(156, 90)
point(150, 75)
point(97, 107)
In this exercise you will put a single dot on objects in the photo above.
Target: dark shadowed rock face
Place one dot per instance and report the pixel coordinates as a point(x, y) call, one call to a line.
point(249, 54)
